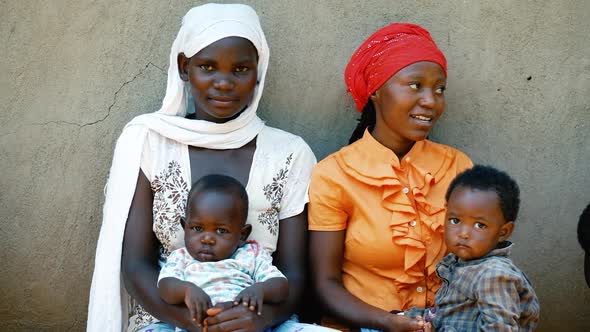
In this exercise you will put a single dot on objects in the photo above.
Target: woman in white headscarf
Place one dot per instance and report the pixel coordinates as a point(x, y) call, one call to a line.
point(220, 57)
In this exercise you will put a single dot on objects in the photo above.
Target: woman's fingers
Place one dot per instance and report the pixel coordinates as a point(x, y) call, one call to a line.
point(214, 311)
point(202, 312)
point(229, 326)
point(232, 319)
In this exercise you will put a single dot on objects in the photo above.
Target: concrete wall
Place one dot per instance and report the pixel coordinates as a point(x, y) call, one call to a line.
point(74, 72)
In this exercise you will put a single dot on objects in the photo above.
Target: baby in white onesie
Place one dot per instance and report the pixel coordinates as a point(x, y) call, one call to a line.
point(217, 264)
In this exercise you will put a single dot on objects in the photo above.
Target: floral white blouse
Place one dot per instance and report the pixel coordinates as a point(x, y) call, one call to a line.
point(277, 189)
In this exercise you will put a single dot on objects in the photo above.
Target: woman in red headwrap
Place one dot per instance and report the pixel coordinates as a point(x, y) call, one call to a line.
point(376, 211)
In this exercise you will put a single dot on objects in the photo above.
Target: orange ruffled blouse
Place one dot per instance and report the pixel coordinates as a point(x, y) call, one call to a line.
point(393, 213)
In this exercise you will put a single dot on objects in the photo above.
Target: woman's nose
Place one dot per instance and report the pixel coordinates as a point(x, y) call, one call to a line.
point(427, 98)
point(223, 82)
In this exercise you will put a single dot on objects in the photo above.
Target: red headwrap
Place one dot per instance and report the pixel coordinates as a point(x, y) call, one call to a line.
point(388, 50)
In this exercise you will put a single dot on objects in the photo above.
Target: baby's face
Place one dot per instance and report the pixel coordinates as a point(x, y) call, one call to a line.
point(474, 223)
point(213, 227)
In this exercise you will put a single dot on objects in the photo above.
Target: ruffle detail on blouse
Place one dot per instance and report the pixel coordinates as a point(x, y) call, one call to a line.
point(425, 164)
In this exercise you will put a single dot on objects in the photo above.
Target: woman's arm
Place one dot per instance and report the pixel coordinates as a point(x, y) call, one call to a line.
point(139, 262)
point(326, 252)
point(290, 259)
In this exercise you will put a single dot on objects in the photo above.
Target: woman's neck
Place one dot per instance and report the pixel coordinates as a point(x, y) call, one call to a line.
point(399, 145)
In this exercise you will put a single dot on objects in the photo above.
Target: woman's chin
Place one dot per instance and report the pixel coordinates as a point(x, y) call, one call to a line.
point(419, 136)
point(218, 115)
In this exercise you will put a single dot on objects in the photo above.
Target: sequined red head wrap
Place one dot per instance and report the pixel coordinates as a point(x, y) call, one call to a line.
point(384, 53)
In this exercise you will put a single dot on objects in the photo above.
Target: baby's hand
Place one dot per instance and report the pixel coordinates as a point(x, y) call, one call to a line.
point(251, 297)
point(197, 302)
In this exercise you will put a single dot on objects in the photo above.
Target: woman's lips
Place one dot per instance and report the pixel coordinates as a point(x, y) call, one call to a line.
point(421, 117)
point(222, 101)
point(422, 120)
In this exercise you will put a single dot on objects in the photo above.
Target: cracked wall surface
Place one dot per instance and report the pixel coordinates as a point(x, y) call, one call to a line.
point(74, 72)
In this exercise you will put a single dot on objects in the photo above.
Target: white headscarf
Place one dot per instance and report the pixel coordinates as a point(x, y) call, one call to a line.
point(201, 26)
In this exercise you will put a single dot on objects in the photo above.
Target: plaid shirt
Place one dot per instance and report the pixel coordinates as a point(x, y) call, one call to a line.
point(485, 294)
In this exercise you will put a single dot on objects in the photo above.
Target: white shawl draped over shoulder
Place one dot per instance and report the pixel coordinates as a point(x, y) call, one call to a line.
point(201, 26)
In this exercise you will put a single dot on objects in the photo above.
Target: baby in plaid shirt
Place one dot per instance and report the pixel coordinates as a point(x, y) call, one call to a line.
point(482, 289)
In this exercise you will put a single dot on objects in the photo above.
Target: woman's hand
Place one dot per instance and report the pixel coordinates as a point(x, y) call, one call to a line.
point(189, 325)
point(224, 319)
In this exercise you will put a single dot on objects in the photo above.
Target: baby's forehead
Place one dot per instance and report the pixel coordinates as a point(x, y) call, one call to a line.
point(489, 193)
point(467, 197)
point(215, 202)
point(218, 194)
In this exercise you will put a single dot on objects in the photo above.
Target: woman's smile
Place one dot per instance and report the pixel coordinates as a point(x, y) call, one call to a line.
point(423, 122)
point(223, 101)
point(422, 118)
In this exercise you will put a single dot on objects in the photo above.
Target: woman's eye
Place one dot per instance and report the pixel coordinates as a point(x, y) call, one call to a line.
point(480, 225)
point(197, 228)
point(221, 231)
point(440, 90)
point(242, 69)
point(206, 67)
point(454, 221)
point(414, 86)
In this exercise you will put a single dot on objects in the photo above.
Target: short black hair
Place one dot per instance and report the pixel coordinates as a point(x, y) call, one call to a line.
point(584, 229)
point(220, 183)
point(487, 178)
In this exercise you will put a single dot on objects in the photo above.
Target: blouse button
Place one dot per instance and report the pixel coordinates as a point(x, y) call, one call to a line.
point(419, 289)
point(408, 159)
point(405, 190)
point(413, 223)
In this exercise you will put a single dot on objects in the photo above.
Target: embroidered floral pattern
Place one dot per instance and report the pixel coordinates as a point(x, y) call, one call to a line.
point(274, 193)
point(170, 193)
point(141, 318)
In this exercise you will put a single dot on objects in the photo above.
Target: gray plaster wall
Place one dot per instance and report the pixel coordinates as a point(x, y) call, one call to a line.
point(74, 72)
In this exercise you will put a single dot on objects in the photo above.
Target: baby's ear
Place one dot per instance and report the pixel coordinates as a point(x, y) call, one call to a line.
point(506, 231)
point(245, 232)
point(182, 222)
